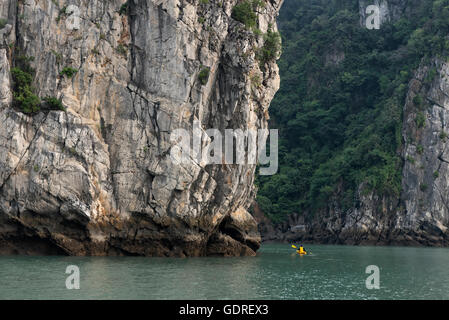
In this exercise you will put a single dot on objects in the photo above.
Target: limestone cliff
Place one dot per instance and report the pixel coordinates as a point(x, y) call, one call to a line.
point(420, 214)
point(97, 178)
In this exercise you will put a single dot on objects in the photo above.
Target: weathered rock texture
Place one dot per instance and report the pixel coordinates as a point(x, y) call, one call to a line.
point(98, 179)
point(426, 172)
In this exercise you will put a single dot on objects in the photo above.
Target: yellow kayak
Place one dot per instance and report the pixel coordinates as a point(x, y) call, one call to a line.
point(301, 253)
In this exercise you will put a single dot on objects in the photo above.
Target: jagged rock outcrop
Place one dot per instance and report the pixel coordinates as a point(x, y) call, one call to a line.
point(97, 179)
point(425, 181)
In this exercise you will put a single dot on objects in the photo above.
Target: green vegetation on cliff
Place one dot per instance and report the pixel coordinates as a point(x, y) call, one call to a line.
point(23, 90)
point(339, 108)
point(246, 12)
point(22, 75)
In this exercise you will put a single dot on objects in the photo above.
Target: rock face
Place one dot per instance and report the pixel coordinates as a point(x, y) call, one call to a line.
point(98, 179)
point(421, 215)
point(426, 172)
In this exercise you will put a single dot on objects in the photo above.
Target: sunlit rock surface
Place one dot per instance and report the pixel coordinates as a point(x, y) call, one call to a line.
point(98, 178)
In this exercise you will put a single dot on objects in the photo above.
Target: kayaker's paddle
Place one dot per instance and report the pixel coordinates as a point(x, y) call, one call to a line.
point(293, 246)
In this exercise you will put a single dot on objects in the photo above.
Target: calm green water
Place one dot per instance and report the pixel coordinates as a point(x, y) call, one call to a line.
point(330, 272)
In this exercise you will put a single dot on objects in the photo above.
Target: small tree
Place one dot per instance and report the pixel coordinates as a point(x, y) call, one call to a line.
point(271, 47)
point(204, 75)
point(245, 13)
point(24, 98)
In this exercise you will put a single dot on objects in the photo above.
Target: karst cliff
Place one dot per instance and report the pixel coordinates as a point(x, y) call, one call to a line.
point(90, 92)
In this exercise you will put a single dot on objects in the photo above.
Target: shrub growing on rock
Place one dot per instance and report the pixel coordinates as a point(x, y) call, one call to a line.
point(204, 75)
point(245, 13)
point(68, 71)
point(271, 47)
point(54, 103)
point(24, 98)
point(123, 9)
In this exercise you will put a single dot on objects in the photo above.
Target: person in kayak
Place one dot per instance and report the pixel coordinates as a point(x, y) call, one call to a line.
point(301, 250)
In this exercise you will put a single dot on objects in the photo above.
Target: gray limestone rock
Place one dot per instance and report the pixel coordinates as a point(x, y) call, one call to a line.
point(98, 179)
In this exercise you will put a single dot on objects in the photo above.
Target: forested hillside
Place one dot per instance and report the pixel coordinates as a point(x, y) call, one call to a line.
point(339, 109)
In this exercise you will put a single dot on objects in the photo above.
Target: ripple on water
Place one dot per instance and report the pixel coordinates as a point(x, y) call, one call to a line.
point(330, 272)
